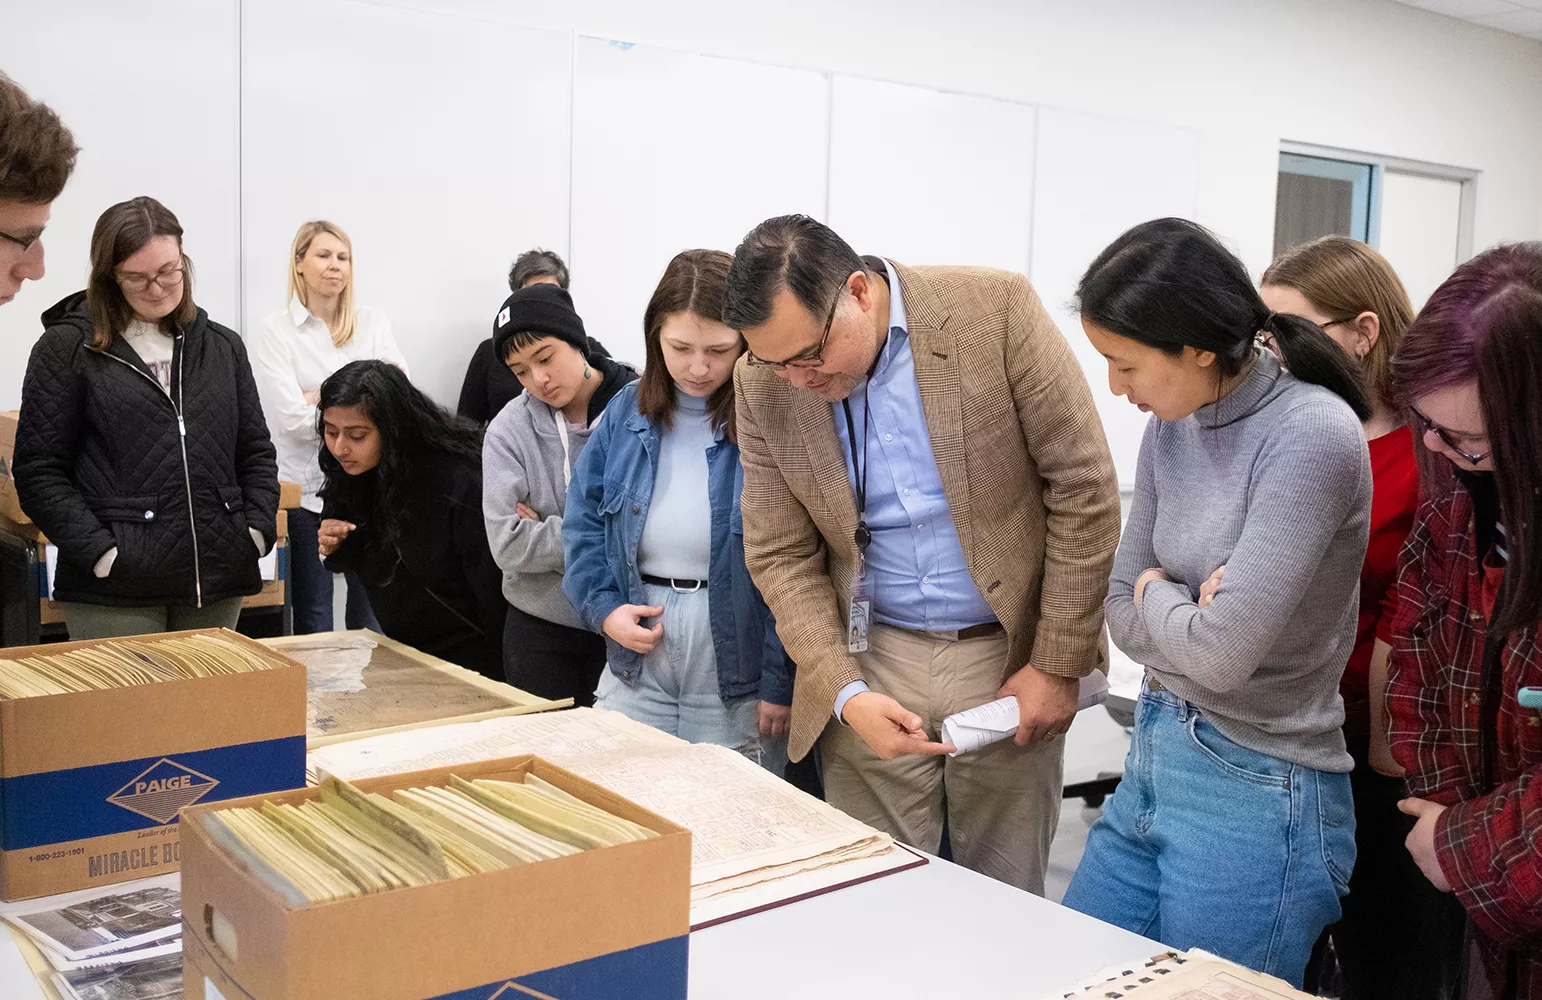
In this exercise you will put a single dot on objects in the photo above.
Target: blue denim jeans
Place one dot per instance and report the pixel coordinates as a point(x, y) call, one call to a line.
point(677, 689)
point(1210, 845)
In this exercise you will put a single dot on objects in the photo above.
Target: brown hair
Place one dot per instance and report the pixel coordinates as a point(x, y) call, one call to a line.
point(37, 153)
point(1344, 278)
point(122, 231)
point(696, 282)
point(348, 315)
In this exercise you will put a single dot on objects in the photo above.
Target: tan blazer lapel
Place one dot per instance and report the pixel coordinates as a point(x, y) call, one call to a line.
point(938, 377)
point(816, 422)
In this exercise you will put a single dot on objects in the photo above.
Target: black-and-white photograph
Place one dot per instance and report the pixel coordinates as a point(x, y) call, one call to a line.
point(107, 923)
point(152, 979)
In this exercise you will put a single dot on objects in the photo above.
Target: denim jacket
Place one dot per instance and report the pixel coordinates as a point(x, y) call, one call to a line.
point(607, 506)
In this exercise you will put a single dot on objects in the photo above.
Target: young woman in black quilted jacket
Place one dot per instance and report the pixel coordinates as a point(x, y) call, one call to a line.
point(141, 450)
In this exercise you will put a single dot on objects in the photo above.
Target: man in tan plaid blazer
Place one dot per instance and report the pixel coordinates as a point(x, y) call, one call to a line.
point(996, 589)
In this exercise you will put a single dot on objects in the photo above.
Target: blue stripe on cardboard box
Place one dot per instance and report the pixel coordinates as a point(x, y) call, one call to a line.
point(654, 971)
point(79, 802)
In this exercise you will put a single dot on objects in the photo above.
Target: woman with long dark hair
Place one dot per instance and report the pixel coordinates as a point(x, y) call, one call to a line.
point(654, 538)
point(1466, 670)
point(141, 449)
point(1235, 582)
point(402, 509)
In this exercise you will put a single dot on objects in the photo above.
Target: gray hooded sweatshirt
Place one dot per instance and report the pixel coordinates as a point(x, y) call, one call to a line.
point(522, 462)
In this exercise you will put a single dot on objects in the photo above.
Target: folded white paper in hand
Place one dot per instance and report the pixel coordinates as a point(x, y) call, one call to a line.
point(997, 720)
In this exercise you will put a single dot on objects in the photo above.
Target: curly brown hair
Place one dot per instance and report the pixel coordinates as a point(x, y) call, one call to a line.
point(37, 153)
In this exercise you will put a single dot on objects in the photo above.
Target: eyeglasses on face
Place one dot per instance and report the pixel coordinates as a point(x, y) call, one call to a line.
point(804, 359)
point(1445, 436)
point(165, 278)
point(25, 242)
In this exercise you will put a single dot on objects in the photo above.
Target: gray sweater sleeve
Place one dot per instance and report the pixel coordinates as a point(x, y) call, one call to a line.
point(1311, 463)
point(519, 545)
point(1126, 625)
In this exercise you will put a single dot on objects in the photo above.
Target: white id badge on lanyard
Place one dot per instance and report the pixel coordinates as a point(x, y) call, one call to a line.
point(861, 609)
point(859, 614)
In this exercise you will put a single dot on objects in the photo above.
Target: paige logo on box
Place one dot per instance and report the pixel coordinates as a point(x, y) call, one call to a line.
point(162, 789)
point(514, 991)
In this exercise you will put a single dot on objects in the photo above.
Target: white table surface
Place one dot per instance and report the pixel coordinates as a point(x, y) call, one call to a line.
point(934, 931)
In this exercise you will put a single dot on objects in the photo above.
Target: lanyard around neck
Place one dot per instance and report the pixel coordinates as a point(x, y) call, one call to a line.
point(862, 535)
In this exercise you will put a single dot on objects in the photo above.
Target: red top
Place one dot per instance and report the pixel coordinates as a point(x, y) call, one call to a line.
point(1493, 576)
point(1394, 498)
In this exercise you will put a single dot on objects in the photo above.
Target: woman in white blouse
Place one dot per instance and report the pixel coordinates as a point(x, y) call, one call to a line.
point(297, 349)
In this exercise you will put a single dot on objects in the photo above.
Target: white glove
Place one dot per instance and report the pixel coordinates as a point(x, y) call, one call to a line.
point(104, 565)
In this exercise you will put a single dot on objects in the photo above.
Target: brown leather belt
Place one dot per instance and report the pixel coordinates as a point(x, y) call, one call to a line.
point(981, 631)
point(972, 632)
point(1152, 684)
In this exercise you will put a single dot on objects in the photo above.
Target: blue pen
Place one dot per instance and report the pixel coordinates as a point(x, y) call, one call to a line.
point(1530, 697)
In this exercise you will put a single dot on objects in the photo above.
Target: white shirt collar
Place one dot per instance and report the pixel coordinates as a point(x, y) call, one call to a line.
point(297, 311)
point(896, 300)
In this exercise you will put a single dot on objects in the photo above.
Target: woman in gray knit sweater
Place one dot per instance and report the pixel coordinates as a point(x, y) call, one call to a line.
point(1235, 585)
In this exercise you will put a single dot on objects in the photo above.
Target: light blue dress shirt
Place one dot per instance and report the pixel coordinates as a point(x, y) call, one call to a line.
point(920, 580)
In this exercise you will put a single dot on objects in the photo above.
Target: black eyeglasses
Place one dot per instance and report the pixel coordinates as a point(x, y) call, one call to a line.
point(804, 359)
point(25, 242)
point(1445, 436)
point(139, 282)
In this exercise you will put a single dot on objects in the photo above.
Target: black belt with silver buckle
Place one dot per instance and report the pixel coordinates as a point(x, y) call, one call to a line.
point(675, 583)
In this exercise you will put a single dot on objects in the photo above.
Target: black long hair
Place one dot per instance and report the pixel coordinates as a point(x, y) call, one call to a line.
point(1170, 284)
point(416, 434)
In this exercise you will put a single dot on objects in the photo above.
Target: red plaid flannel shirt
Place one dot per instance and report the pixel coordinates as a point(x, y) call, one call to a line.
point(1489, 844)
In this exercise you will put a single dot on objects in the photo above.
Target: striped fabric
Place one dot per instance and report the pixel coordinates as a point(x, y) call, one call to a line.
point(1023, 462)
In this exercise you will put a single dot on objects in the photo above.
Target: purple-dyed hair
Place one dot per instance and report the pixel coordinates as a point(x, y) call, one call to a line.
point(1484, 324)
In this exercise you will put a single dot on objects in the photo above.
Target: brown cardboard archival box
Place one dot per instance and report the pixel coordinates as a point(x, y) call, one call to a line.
point(90, 782)
point(606, 924)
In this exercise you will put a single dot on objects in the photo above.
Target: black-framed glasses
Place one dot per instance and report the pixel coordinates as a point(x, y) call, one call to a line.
point(25, 242)
point(1445, 436)
point(804, 359)
point(139, 282)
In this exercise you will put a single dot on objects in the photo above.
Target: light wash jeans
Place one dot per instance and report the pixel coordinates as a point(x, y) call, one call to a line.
point(676, 690)
point(1209, 845)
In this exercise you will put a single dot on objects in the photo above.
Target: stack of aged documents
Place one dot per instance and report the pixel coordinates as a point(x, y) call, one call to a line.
point(756, 841)
point(121, 943)
point(119, 663)
point(351, 843)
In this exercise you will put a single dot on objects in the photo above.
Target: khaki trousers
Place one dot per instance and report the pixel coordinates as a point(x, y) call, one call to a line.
point(1002, 801)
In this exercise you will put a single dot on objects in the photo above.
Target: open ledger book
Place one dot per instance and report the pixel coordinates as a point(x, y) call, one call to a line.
point(1191, 975)
point(756, 841)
